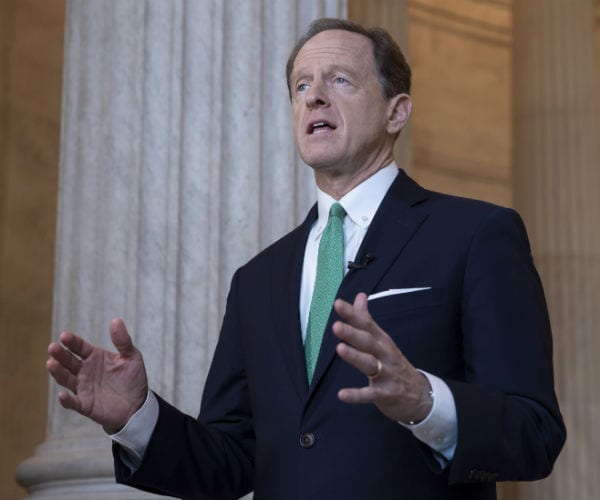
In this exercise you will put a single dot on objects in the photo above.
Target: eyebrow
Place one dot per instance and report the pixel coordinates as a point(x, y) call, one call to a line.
point(332, 68)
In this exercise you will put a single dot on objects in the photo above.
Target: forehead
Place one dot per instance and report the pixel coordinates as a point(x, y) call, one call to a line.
point(336, 46)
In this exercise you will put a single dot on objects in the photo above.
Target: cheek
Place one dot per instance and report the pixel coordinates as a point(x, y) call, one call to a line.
point(374, 121)
point(297, 116)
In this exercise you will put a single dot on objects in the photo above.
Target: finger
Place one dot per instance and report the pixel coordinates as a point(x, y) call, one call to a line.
point(362, 395)
point(359, 339)
point(62, 376)
point(66, 358)
point(69, 401)
point(121, 338)
point(357, 315)
point(366, 363)
point(76, 344)
point(352, 313)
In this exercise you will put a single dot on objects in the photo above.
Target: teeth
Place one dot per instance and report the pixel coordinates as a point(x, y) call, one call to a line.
point(320, 125)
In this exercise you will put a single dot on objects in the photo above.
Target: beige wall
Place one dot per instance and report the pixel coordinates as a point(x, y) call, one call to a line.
point(461, 56)
point(31, 38)
point(460, 53)
point(598, 37)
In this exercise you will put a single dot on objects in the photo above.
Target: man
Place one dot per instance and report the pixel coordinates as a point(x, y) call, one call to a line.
point(431, 378)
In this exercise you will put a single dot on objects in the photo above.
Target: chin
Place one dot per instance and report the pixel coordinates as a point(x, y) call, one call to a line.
point(320, 164)
point(323, 161)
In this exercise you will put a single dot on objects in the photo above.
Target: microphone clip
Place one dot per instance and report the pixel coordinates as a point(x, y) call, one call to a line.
point(355, 266)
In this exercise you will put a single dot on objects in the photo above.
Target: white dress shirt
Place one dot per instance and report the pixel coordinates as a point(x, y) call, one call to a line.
point(438, 430)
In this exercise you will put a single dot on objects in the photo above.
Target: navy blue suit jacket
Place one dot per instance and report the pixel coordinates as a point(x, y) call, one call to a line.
point(482, 326)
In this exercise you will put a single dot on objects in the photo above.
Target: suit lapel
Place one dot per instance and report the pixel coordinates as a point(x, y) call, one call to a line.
point(285, 297)
point(394, 224)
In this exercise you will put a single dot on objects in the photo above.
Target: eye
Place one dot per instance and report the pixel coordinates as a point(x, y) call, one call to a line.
point(340, 80)
point(301, 87)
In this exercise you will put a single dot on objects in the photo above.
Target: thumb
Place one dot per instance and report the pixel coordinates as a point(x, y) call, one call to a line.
point(121, 338)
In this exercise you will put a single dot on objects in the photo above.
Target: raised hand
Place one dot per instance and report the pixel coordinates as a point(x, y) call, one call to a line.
point(105, 386)
point(395, 386)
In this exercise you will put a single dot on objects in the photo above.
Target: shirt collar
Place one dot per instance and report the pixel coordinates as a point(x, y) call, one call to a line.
point(362, 202)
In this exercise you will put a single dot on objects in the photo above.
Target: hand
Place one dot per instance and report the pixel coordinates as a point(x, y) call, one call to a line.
point(105, 386)
point(395, 386)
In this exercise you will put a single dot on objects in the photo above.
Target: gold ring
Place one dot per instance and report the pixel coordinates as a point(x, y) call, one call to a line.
point(377, 372)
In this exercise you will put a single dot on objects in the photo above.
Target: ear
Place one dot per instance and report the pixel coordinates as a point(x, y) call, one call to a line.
point(398, 112)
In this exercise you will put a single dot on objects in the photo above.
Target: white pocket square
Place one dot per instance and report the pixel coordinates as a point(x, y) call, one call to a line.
point(396, 291)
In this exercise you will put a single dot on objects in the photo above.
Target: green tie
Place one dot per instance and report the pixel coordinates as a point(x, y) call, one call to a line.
point(330, 272)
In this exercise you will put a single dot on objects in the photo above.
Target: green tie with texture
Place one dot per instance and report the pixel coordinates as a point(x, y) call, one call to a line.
point(330, 272)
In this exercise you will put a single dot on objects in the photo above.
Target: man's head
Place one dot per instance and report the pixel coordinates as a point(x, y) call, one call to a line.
point(393, 71)
point(347, 112)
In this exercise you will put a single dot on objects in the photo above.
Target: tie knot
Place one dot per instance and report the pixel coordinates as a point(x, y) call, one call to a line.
point(337, 210)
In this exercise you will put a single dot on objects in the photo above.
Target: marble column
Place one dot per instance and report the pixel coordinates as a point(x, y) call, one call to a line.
point(177, 165)
point(557, 177)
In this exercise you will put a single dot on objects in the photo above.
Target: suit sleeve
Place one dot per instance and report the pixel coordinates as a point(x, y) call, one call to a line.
point(509, 423)
point(210, 457)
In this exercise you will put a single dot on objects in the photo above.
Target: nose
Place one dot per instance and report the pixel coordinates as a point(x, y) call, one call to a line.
point(316, 96)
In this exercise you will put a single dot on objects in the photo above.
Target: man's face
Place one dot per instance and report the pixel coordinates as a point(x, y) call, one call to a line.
point(340, 113)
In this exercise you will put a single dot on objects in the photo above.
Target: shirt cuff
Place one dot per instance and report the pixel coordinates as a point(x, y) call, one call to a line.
point(439, 430)
point(135, 436)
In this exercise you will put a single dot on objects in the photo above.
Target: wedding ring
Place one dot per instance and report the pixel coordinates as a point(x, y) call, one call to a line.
point(377, 372)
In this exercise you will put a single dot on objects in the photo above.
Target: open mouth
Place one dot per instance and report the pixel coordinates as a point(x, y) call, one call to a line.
point(320, 127)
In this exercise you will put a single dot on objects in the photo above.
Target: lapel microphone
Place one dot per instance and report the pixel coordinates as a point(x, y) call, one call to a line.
point(362, 264)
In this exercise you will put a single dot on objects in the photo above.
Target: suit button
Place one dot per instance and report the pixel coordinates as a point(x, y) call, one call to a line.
point(307, 439)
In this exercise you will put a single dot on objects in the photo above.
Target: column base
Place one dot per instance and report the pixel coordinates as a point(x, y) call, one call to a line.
point(74, 469)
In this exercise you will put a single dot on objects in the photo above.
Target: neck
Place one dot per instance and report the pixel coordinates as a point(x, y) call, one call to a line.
point(339, 183)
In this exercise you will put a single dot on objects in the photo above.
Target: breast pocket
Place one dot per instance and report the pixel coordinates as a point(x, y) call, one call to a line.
point(404, 303)
point(417, 322)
